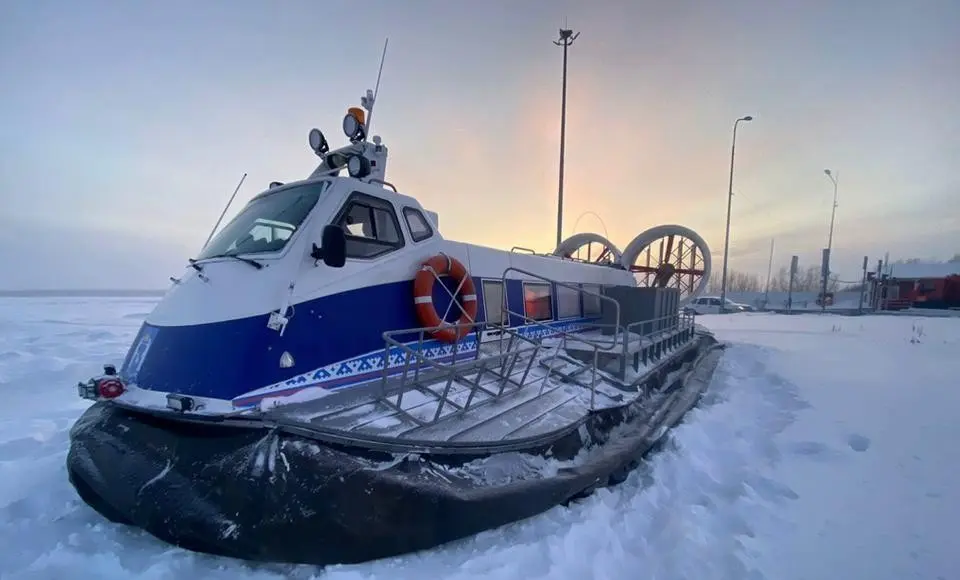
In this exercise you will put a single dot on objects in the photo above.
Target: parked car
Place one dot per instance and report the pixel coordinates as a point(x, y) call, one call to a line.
point(711, 305)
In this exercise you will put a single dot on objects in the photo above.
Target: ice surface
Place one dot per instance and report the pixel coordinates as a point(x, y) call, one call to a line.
point(826, 447)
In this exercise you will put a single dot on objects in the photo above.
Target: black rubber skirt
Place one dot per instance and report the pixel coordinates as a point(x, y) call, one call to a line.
point(267, 494)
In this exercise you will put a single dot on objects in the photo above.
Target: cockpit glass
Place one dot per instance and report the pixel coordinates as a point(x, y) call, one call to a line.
point(267, 222)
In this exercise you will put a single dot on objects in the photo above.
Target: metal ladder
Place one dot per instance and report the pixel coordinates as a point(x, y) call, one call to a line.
point(483, 368)
point(580, 367)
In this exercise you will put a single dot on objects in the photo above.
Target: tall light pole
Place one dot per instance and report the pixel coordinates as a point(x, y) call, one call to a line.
point(566, 39)
point(834, 177)
point(726, 239)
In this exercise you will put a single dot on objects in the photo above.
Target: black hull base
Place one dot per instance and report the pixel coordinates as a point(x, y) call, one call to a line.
point(269, 495)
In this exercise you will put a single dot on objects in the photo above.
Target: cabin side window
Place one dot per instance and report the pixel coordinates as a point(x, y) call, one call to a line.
point(537, 301)
point(495, 314)
point(591, 303)
point(371, 226)
point(568, 302)
point(417, 224)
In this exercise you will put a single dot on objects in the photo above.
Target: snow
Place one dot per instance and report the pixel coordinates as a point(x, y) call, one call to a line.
point(826, 447)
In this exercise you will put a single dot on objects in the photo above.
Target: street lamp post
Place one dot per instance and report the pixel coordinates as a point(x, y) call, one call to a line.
point(834, 176)
point(566, 39)
point(726, 239)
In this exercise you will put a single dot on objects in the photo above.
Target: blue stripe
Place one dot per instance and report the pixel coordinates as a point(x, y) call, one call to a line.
point(336, 339)
point(358, 370)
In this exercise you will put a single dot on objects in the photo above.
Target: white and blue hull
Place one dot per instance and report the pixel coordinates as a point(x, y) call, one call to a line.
point(206, 340)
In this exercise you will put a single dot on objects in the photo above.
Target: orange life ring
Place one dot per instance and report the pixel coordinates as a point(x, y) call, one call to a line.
point(430, 271)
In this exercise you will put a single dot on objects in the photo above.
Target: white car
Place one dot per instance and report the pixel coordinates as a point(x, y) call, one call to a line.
point(711, 305)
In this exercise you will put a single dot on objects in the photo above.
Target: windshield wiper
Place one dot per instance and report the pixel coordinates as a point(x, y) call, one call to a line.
point(250, 261)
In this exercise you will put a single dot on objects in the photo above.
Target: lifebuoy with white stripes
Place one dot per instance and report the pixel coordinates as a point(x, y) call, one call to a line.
point(430, 272)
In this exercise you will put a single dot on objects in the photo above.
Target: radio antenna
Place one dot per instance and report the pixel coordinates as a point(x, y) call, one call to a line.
point(376, 89)
point(216, 225)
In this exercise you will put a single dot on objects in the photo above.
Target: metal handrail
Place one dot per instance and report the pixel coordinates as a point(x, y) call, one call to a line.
point(684, 322)
point(519, 249)
point(679, 316)
point(448, 371)
point(597, 345)
point(476, 326)
point(422, 333)
point(506, 306)
point(440, 366)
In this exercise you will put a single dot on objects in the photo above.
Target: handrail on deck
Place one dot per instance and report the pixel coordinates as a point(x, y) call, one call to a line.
point(449, 372)
point(476, 327)
point(597, 345)
point(576, 287)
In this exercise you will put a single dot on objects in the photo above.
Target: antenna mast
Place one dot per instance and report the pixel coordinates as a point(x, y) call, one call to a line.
point(224, 212)
point(371, 99)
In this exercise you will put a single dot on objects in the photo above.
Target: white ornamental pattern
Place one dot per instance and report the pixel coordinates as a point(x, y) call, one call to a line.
point(369, 366)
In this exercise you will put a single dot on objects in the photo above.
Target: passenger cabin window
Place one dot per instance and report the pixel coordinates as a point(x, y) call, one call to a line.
point(591, 304)
point(267, 222)
point(371, 226)
point(419, 226)
point(568, 302)
point(537, 301)
point(495, 314)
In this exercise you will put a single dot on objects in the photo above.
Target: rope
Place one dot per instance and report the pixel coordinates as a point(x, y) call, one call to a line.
point(453, 295)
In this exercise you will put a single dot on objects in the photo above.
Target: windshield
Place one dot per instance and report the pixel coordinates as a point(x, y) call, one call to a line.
point(266, 223)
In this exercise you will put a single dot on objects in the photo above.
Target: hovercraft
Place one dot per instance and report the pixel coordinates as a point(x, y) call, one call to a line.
point(333, 381)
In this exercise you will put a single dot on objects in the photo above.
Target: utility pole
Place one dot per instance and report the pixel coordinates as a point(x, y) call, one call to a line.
point(794, 264)
point(863, 284)
point(766, 292)
point(566, 39)
point(726, 239)
point(834, 177)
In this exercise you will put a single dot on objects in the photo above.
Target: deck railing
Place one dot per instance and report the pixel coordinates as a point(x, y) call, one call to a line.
point(504, 347)
point(510, 347)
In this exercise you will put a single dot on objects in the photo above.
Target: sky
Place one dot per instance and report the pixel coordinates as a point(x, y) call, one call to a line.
point(125, 126)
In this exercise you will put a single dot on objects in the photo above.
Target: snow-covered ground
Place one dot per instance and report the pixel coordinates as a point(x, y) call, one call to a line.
point(827, 447)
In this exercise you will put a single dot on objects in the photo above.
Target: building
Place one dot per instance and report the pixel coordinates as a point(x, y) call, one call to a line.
point(920, 285)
